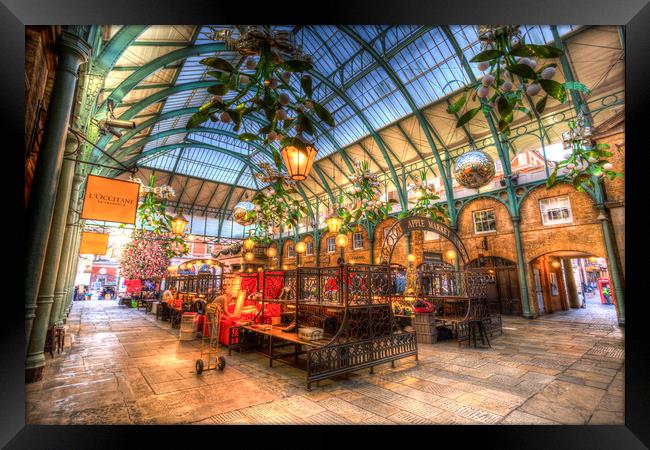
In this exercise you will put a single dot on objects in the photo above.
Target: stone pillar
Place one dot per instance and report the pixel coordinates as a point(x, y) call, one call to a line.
point(612, 260)
point(35, 360)
point(72, 51)
point(521, 270)
point(61, 287)
point(572, 291)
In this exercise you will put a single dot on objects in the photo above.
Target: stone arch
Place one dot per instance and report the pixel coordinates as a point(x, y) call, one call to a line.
point(497, 200)
point(583, 234)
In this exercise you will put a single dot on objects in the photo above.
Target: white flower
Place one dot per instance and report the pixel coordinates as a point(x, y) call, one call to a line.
point(251, 63)
point(570, 166)
point(533, 89)
point(483, 92)
point(483, 65)
point(283, 99)
point(531, 63)
point(487, 79)
point(548, 73)
point(608, 166)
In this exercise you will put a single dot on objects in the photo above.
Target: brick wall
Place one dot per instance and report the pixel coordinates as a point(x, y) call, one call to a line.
point(582, 235)
point(39, 76)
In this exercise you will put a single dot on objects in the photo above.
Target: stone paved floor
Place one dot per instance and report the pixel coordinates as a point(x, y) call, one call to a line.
point(121, 366)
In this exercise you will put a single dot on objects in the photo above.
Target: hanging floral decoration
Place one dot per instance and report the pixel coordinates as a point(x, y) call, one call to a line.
point(364, 198)
point(584, 160)
point(266, 82)
point(512, 75)
point(144, 257)
point(153, 217)
point(514, 72)
point(165, 192)
point(274, 205)
point(426, 203)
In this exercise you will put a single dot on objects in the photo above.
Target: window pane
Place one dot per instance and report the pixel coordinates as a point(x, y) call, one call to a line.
point(555, 210)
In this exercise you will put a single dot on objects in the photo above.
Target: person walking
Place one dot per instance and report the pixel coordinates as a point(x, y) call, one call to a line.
point(606, 295)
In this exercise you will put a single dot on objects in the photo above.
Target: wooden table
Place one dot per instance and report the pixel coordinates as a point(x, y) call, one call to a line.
point(275, 334)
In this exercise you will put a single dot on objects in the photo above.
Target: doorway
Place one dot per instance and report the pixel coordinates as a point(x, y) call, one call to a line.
point(574, 285)
point(505, 289)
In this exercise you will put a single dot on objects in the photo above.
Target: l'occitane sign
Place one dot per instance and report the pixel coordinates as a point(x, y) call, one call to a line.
point(93, 243)
point(110, 200)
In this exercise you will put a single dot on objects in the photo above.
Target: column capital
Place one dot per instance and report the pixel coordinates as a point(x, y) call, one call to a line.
point(75, 48)
point(71, 43)
point(602, 212)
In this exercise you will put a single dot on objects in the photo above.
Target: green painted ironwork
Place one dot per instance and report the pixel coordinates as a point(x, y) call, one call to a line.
point(416, 111)
point(513, 207)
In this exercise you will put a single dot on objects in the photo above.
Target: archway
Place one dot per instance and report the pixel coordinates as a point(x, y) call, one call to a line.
point(572, 285)
point(409, 224)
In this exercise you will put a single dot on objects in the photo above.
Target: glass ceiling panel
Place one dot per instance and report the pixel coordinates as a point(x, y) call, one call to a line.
point(428, 67)
point(163, 160)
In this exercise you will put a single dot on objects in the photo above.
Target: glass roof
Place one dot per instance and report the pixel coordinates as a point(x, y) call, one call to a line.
point(351, 81)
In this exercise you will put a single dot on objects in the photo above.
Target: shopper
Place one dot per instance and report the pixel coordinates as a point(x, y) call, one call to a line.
point(606, 294)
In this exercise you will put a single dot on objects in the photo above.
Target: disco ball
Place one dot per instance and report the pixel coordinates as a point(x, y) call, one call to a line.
point(474, 169)
point(240, 211)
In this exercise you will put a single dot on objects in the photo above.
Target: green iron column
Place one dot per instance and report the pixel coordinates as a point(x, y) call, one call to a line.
point(61, 287)
point(521, 269)
point(612, 259)
point(72, 52)
point(72, 275)
point(35, 361)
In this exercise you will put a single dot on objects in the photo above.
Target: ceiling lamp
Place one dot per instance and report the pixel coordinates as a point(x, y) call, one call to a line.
point(300, 248)
point(249, 243)
point(179, 223)
point(271, 252)
point(298, 160)
point(334, 223)
point(411, 258)
point(249, 256)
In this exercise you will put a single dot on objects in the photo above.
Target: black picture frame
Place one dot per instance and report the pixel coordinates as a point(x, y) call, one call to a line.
point(634, 15)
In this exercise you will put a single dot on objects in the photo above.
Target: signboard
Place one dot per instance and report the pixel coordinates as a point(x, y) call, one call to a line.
point(409, 224)
point(93, 243)
point(431, 258)
point(110, 200)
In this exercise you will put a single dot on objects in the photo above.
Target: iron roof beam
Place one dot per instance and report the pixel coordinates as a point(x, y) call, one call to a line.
point(417, 112)
point(377, 138)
